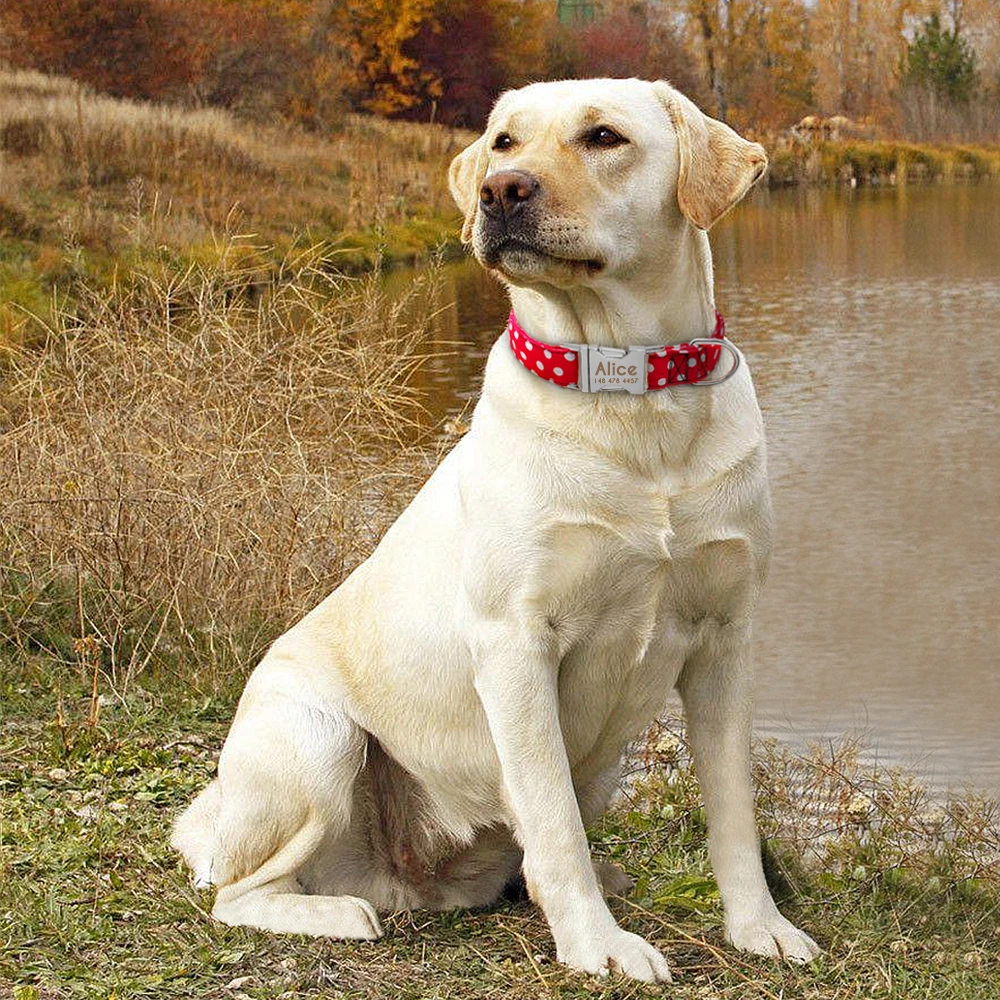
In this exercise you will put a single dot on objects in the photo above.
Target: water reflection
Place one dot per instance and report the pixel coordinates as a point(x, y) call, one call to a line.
point(867, 318)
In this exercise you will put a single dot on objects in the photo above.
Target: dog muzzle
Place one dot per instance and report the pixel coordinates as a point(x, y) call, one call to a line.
point(636, 370)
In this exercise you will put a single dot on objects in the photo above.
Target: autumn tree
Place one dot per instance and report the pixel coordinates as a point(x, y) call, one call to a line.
point(259, 57)
point(669, 58)
point(627, 39)
point(765, 71)
point(371, 39)
point(615, 45)
point(755, 57)
point(706, 22)
point(253, 56)
point(857, 47)
point(123, 47)
point(469, 51)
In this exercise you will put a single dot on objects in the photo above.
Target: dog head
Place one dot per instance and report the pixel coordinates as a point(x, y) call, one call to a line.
point(574, 180)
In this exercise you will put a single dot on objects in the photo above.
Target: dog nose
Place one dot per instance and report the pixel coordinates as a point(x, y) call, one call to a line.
point(507, 191)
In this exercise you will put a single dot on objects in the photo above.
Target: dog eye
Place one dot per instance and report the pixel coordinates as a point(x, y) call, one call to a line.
point(503, 141)
point(604, 136)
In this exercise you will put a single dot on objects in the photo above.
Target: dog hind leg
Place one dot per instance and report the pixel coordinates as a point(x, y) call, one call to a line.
point(285, 784)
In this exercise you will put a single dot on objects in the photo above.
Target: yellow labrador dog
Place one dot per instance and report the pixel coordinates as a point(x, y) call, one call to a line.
point(457, 709)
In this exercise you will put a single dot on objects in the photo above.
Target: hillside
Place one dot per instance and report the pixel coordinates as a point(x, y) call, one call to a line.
point(88, 181)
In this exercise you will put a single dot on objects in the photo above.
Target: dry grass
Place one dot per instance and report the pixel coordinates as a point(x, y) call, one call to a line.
point(842, 819)
point(188, 460)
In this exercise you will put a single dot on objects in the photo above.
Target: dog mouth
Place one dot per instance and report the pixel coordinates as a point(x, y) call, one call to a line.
point(505, 255)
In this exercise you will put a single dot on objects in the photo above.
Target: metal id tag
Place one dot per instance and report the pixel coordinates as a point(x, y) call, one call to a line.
point(615, 369)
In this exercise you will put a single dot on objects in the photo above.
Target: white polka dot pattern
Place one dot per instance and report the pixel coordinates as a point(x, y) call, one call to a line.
point(552, 363)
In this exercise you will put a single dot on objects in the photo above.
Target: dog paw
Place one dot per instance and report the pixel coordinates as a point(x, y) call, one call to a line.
point(345, 917)
point(614, 882)
point(616, 952)
point(356, 918)
point(775, 937)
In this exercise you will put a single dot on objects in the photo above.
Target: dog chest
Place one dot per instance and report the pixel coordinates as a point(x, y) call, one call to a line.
point(626, 631)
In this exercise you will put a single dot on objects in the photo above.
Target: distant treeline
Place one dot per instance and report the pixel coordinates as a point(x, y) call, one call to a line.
point(920, 69)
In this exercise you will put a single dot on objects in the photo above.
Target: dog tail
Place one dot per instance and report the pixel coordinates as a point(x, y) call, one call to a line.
point(195, 836)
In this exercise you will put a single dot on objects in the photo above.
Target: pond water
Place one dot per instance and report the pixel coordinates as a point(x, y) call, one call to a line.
point(869, 319)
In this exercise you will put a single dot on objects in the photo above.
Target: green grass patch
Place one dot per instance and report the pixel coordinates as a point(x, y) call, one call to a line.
point(96, 905)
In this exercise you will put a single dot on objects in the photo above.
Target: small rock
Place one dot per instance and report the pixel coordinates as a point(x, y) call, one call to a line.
point(58, 774)
point(859, 808)
point(238, 982)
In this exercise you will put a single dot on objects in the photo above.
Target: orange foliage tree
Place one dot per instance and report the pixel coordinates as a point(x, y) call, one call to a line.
point(769, 72)
point(370, 38)
point(259, 57)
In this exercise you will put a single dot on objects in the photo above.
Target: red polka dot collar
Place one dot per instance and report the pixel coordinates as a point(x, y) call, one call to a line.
point(633, 369)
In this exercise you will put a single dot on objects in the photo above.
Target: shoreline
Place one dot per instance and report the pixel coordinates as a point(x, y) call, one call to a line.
point(878, 163)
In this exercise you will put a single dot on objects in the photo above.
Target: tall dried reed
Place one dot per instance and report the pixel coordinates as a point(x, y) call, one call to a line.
point(189, 463)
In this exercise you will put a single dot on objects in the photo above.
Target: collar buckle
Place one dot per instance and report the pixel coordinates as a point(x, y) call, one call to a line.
point(611, 369)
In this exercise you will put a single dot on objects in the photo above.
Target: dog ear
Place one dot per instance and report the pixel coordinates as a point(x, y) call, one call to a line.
point(465, 177)
point(717, 166)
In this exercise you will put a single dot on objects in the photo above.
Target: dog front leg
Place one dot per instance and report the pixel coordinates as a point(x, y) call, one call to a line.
point(717, 690)
point(517, 682)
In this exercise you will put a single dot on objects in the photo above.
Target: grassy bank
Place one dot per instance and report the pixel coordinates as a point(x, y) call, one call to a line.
point(901, 892)
point(879, 162)
point(97, 187)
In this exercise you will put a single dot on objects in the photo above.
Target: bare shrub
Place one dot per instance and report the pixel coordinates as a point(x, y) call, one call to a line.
point(190, 456)
point(924, 116)
point(839, 814)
